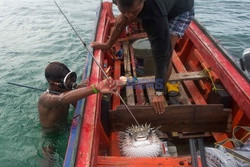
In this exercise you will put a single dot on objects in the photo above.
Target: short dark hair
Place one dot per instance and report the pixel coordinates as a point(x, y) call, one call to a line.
point(56, 72)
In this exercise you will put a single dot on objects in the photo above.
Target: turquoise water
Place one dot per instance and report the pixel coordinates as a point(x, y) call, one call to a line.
point(228, 21)
point(33, 33)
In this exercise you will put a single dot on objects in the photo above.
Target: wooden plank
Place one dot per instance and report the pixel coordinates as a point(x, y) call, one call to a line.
point(104, 142)
point(127, 67)
point(177, 118)
point(117, 74)
point(188, 76)
point(109, 161)
point(196, 95)
point(204, 87)
point(174, 77)
point(204, 65)
point(193, 135)
point(138, 90)
point(150, 91)
point(182, 97)
point(237, 86)
point(114, 146)
point(229, 121)
point(194, 91)
point(237, 118)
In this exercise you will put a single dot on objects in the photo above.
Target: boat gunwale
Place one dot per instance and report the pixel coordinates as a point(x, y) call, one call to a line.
point(233, 81)
point(73, 141)
point(87, 152)
point(222, 49)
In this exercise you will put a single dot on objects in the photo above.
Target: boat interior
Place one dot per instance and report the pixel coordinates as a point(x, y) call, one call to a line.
point(204, 109)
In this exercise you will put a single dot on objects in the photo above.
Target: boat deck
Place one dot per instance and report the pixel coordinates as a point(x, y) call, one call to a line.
point(195, 85)
point(138, 97)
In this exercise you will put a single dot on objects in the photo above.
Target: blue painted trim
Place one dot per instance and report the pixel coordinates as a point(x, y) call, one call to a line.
point(71, 152)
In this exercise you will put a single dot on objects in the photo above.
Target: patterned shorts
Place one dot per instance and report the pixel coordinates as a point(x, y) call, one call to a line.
point(180, 23)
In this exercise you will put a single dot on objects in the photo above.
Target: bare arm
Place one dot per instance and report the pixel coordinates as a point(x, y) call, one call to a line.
point(71, 97)
point(105, 86)
point(121, 23)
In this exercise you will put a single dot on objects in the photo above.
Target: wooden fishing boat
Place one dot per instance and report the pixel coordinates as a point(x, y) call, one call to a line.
point(201, 65)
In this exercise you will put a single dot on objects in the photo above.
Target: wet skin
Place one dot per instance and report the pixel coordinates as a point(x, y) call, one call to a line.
point(53, 108)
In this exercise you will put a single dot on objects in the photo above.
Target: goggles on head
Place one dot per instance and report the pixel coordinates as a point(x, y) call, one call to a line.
point(69, 81)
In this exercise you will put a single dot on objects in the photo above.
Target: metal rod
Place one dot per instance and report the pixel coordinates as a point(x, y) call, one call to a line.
point(128, 108)
point(84, 44)
point(193, 152)
point(202, 152)
point(25, 86)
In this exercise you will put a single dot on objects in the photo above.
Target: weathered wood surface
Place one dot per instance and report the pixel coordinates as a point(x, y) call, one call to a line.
point(182, 97)
point(150, 91)
point(174, 77)
point(139, 91)
point(117, 74)
point(127, 68)
point(122, 161)
point(177, 118)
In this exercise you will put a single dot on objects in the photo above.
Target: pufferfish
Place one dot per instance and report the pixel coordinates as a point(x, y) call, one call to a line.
point(140, 141)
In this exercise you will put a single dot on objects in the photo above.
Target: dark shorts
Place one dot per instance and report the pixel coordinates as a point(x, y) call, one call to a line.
point(180, 23)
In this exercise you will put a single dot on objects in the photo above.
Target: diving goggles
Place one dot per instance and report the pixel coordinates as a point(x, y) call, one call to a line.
point(69, 81)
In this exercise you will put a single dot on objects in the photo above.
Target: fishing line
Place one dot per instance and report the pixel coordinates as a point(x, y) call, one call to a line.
point(84, 44)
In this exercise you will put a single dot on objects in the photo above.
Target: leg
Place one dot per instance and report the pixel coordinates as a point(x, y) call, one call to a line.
point(48, 145)
point(48, 151)
point(174, 39)
point(178, 26)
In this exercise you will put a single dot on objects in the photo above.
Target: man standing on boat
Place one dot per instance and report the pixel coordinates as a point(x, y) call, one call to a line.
point(164, 21)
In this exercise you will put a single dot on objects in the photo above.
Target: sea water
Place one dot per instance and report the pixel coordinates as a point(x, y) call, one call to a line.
point(34, 33)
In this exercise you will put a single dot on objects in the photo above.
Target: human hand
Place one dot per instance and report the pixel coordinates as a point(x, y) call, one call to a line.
point(107, 86)
point(159, 104)
point(99, 45)
point(84, 83)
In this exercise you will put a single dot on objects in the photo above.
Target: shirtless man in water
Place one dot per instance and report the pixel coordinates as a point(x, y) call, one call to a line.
point(53, 108)
point(53, 105)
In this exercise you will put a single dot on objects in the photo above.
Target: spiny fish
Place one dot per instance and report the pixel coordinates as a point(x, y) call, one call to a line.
point(140, 141)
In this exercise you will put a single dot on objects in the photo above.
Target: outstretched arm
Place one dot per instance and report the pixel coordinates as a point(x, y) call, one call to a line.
point(71, 97)
point(105, 86)
point(121, 23)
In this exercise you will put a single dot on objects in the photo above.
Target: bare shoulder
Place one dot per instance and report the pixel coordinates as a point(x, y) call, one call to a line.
point(49, 100)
